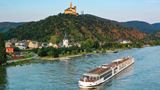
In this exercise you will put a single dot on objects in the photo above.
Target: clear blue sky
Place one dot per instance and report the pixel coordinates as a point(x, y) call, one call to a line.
point(119, 10)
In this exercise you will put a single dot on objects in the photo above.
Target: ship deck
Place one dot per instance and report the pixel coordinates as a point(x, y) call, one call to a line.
point(104, 68)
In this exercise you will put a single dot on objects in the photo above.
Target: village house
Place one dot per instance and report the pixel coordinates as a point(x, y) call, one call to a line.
point(53, 45)
point(125, 42)
point(9, 47)
point(8, 44)
point(33, 44)
point(56, 46)
point(21, 45)
point(50, 44)
point(9, 50)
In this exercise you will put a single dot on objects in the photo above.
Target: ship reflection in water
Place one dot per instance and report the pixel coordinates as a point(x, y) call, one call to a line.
point(127, 72)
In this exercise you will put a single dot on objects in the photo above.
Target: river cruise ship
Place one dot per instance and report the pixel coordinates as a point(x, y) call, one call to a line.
point(104, 72)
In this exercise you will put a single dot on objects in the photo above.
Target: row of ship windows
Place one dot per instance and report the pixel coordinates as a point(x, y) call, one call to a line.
point(124, 64)
point(106, 75)
point(90, 78)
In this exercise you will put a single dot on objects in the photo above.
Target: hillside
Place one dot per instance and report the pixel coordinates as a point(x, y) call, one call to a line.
point(5, 26)
point(77, 28)
point(157, 34)
point(156, 26)
point(142, 26)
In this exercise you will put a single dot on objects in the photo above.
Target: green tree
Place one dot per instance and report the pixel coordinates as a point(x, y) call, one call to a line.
point(88, 43)
point(53, 52)
point(3, 58)
point(96, 45)
point(55, 39)
point(56, 52)
point(42, 52)
point(16, 49)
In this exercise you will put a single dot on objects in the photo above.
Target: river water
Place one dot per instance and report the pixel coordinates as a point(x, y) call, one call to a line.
point(64, 75)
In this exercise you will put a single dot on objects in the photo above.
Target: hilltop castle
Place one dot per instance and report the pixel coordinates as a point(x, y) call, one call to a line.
point(71, 10)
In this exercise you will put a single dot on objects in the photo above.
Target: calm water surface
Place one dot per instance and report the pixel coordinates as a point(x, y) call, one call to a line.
point(64, 75)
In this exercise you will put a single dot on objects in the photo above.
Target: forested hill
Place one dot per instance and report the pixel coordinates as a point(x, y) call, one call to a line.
point(5, 26)
point(77, 28)
point(143, 26)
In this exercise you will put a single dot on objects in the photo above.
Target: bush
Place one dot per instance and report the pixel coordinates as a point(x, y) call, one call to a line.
point(42, 52)
point(3, 57)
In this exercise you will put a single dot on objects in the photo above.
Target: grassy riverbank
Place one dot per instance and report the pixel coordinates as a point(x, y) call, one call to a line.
point(28, 58)
point(34, 56)
point(66, 57)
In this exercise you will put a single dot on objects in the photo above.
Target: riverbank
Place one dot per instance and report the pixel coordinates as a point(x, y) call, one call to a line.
point(49, 58)
point(21, 60)
point(60, 58)
point(67, 57)
point(13, 61)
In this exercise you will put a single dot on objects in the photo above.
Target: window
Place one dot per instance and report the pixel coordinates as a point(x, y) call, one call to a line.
point(106, 75)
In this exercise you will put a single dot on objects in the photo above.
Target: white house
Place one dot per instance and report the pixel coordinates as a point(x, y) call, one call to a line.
point(50, 44)
point(55, 46)
point(8, 44)
point(21, 45)
point(125, 42)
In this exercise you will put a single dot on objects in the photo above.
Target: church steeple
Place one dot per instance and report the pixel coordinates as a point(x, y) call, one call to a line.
point(65, 41)
point(65, 35)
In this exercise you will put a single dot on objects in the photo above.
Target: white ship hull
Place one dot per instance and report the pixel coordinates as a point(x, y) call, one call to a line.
point(102, 80)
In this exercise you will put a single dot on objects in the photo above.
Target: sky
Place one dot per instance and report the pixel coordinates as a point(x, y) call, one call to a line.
point(119, 10)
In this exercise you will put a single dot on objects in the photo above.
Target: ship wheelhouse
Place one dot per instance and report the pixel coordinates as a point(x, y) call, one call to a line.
point(90, 77)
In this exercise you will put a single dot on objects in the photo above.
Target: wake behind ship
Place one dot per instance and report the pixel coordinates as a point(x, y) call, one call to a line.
point(103, 73)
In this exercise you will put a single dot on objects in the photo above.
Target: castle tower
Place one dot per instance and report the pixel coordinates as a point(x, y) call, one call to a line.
point(70, 5)
point(71, 10)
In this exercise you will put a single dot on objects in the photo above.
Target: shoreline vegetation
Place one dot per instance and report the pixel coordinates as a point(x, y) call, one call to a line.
point(87, 49)
point(61, 58)
point(49, 58)
point(3, 57)
point(63, 53)
point(52, 54)
point(67, 57)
